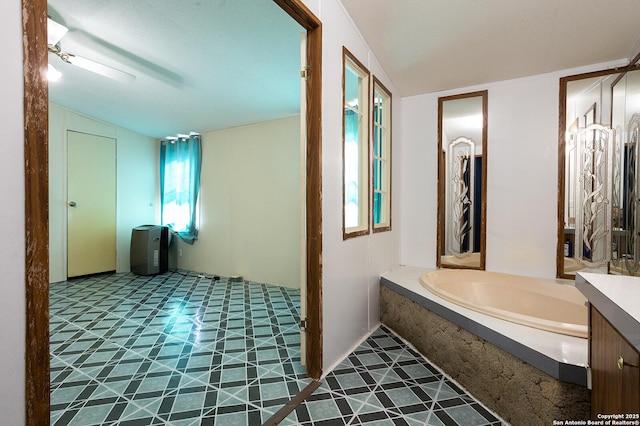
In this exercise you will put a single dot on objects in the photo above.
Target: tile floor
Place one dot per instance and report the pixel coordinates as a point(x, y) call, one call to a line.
point(185, 349)
point(172, 349)
point(386, 382)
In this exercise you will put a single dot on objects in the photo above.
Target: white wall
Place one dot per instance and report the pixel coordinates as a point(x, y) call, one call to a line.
point(12, 249)
point(351, 269)
point(250, 204)
point(137, 184)
point(522, 178)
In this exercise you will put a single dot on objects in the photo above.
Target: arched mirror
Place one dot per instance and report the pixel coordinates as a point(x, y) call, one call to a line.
point(598, 214)
point(462, 182)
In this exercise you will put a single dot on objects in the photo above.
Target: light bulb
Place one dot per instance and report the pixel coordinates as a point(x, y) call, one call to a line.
point(53, 74)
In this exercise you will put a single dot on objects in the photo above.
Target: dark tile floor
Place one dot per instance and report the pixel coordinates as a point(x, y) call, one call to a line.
point(185, 349)
point(172, 349)
point(385, 382)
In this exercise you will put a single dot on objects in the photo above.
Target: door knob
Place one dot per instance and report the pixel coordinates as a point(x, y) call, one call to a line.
point(620, 362)
point(72, 204)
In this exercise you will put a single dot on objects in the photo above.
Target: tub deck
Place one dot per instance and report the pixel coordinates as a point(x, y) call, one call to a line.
point(563, 357)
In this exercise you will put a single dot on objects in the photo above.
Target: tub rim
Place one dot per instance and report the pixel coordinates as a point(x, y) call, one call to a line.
point(569, 329)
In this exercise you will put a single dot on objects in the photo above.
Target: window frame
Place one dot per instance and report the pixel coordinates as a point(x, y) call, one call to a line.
point(385, 125)
point(364, 146)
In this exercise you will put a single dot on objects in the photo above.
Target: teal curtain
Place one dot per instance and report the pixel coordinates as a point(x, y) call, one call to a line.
point(180, 164)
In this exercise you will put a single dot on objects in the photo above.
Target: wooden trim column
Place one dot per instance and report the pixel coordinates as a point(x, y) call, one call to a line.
point(36, 173)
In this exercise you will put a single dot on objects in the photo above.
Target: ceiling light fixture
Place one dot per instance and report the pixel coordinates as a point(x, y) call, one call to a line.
point(56, 31)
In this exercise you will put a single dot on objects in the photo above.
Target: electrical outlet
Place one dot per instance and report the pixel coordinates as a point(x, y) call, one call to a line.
point(179, 252)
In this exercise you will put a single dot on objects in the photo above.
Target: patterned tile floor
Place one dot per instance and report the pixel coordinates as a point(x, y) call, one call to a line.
point(385, 382)
point(185, 349)
point(172, 349)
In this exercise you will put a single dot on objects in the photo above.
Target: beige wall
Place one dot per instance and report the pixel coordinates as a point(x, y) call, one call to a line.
point(250, 204)
point(137, 184)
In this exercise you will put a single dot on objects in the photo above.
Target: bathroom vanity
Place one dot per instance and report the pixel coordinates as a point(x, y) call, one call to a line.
point(614, 343)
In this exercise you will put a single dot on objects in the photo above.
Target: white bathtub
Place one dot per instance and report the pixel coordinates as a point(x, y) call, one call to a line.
point(541, 304)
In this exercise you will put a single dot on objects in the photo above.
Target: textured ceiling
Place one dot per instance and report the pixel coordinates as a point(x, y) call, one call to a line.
point(200, 65)
point(211, 64)
point(427, 46)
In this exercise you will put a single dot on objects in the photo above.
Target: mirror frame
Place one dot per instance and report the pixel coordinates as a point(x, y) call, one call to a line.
point(484, 95)
point(562, 108)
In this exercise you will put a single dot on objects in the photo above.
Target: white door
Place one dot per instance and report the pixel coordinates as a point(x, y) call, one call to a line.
point(91, 210)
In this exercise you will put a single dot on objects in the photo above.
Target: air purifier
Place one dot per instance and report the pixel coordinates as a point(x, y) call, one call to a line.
point(149, 249)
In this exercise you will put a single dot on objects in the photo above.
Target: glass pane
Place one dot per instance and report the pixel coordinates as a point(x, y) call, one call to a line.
point(379, 174)
point(376, 174)
point(377, 113)
point(380, 101)
point(352, 82)
point(377, 207)
point(351, 169)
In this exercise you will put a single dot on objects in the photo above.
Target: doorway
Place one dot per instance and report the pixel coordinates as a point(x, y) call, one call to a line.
point(36, 200)
point(91, 206)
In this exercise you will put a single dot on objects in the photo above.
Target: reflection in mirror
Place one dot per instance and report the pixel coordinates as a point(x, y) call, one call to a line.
point(462, 144)
point(598, 224)
point(625, 121)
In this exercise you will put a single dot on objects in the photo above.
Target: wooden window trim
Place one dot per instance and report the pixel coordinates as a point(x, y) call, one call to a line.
point(364, 211)
point(377, 84)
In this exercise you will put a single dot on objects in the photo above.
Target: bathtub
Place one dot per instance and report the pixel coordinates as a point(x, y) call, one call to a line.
point(507, 365)
point(542, 304)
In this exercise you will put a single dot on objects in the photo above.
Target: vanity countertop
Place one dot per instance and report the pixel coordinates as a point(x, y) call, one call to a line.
point(617, 298)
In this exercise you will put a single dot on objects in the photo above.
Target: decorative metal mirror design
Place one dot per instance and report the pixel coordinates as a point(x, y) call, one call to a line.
point(462, 164)
point(598, 173)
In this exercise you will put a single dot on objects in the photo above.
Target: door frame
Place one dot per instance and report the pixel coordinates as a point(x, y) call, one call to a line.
point(36, 174)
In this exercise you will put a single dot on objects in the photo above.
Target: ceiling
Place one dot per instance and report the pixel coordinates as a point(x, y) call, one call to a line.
point(427, 46)
point(200, 65)
point(203, 65)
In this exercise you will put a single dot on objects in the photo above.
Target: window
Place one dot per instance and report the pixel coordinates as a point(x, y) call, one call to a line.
point(381, 182)
point(355, 212)
point(180, 163)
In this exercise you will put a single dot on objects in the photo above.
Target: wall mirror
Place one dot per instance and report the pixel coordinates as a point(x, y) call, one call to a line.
point(598, 214)
point(462, 184)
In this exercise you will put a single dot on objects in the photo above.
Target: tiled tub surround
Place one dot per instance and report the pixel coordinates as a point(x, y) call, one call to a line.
point(527, 376)
point(172, 349)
